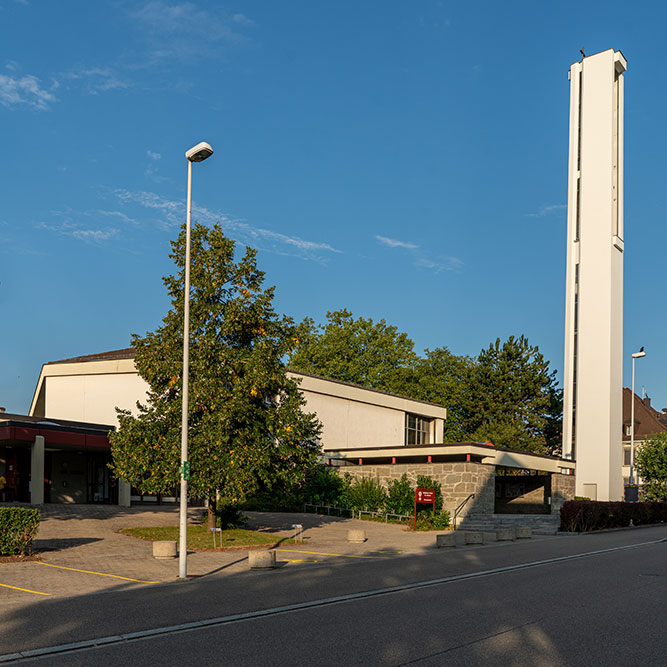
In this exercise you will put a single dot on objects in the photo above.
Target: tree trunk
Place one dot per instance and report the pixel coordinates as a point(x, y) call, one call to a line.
point(211, 513)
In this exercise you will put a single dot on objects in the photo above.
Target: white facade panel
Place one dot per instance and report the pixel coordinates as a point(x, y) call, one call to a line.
point(351, 416)
point(93, 398)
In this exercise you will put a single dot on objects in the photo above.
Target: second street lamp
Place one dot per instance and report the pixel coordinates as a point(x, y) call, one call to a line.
point(197, 153)
point(635, 356)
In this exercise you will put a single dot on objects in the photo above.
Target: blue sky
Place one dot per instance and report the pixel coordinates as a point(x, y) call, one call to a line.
point(406, 161)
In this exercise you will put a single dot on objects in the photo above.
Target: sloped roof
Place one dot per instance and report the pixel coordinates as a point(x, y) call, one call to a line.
point(125, 353)
point(647, 419)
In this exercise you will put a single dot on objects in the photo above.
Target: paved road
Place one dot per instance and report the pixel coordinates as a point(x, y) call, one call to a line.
point(587, 600)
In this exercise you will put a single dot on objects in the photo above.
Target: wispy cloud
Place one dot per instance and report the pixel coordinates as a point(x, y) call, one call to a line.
point(394, 243)
point(24, 90)
point(153, 156)
point(419, 258)
point(171, 214)
point(95, 79)
point(79, 233)
point(114, 214)
point(546, 210)
point(185, 30)
point(89, 225)
point(242, 19)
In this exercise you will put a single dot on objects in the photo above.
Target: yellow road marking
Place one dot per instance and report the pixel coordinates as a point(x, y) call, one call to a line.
point(301, 560)
point(25, 590)
point(319, 553)
point(101, 574)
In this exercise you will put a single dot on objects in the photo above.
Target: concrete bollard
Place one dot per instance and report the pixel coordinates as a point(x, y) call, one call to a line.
point(445, 540)
point(505, 535)
point(523, 533)
point(261, 559)
point(474, 538)
point(164, 549)
point(356, 536)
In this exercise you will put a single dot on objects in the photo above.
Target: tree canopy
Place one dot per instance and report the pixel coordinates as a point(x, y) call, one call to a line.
point(651, 462)
point(247, 428)
point(514, 399)
point(507, 394)
point(372, 354)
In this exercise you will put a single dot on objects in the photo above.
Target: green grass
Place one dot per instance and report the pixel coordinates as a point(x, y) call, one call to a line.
point(201, 540)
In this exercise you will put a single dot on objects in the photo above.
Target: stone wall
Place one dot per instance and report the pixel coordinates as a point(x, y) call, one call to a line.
point(458, 481)
point(562, 489)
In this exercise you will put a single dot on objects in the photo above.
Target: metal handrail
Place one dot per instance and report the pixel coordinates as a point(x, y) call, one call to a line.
point(337, 511)
point(460, 507)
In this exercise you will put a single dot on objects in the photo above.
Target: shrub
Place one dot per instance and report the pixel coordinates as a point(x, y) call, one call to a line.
point(18, 527)
point(400, 496)
point(424, 482)
point(230, 516)
point(433, 521)
point(324, 486)
point(365, 493)
point(581, 515)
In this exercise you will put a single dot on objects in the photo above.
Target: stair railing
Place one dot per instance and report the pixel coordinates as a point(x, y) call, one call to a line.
point(460, 507)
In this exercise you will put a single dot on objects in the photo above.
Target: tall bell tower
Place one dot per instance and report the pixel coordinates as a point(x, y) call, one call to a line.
point(593, 369)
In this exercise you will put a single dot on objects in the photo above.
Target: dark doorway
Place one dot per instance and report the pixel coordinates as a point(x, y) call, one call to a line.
point(522, 492)
point(100, 482)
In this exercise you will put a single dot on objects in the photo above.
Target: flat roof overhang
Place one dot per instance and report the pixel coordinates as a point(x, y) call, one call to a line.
point(478, 452)
point(19, 434)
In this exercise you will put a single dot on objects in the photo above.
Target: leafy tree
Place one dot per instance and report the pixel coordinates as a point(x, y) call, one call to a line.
point(651, 462)
point(507, 394)
point(247, 428)
point(371, 354)
point(444, 378)
point(514, 400)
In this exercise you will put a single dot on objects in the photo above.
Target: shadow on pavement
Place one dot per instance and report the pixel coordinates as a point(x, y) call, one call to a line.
point(61, 543)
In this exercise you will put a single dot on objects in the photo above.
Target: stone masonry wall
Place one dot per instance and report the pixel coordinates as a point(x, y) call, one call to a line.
point(458, 481)
point(562, 489)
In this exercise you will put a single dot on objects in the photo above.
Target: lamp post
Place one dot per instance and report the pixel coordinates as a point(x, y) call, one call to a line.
point(197, 153)
point(635, 356)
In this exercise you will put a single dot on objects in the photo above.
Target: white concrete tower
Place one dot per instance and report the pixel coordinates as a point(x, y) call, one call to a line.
point(593, 369)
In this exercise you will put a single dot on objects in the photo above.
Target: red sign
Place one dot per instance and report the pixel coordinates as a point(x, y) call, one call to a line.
point(424, 496)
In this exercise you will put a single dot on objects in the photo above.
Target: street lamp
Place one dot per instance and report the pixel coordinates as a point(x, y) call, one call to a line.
point(635, 356)
point(197, 153)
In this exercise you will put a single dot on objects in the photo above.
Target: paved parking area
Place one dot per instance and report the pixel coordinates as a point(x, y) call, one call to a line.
point(81, 552)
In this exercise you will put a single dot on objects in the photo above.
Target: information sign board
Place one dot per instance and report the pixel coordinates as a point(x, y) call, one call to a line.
point(424, 496)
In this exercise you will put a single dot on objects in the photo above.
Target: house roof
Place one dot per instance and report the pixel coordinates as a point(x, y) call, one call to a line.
point(125, 353)
point(648, 421)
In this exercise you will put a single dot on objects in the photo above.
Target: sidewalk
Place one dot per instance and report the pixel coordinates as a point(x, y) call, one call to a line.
point(81, 552)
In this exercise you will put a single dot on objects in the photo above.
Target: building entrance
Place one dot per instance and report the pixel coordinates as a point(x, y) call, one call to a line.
point(520, 491)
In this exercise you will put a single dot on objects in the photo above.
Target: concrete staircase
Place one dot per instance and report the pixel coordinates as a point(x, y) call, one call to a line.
point(540, 523)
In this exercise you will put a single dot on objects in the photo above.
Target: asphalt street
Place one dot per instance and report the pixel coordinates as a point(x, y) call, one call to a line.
point(585, 600)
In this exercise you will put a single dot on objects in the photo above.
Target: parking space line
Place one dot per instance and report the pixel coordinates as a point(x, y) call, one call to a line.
point(319, 553)
point(101, 574)
point(25, 590)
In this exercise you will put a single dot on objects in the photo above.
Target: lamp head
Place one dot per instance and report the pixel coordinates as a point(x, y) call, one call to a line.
point(639, 354)
point(199, 152)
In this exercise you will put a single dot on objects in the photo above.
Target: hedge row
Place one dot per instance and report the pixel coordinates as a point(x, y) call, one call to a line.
point(578, 516)
point(18, 527)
